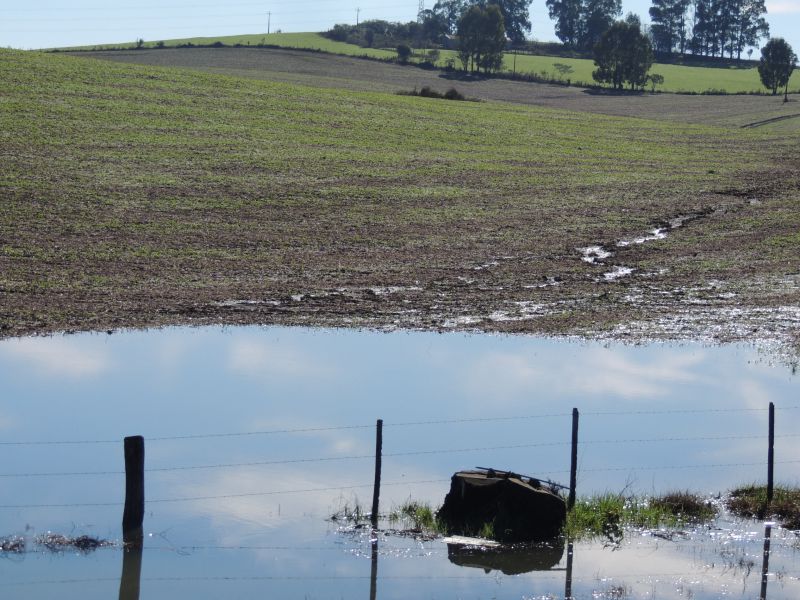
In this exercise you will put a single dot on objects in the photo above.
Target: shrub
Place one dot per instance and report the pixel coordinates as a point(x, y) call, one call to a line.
point(403, 53)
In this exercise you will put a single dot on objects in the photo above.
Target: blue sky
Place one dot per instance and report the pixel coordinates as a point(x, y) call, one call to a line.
point(49, 23)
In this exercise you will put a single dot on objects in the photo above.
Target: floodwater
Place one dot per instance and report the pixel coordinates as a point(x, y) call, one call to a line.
point(256, 436)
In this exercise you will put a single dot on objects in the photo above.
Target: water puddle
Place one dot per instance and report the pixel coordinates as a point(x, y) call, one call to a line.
point(599, 254)
point(256, 436)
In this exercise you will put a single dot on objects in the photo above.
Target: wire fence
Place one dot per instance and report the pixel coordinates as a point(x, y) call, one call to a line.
point(623, 442)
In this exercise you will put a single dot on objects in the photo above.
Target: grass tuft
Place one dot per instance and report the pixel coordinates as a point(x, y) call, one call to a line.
point(417, 515)
point(606, 515)
point(751, 501)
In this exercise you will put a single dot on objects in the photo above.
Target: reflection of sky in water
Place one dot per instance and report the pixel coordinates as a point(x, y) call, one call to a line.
point(513, 393)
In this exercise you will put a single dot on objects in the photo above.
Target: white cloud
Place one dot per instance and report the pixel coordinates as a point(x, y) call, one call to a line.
point(783, 7)
point(612, 372)
point(256, 358)
point(596, 372)
point(56, 356)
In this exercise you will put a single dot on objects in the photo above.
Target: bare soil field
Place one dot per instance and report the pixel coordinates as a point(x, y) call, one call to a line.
point(139, 196)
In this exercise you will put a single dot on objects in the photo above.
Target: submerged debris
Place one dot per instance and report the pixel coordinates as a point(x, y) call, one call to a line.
point(55, 542)
point(12, 545)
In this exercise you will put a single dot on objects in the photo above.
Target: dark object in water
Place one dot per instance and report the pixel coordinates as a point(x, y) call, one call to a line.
point(516, 508)
point(510, 560)
point(12, 544)
point(56, 542)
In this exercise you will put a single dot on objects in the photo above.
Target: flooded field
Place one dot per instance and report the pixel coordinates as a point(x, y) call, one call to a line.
point(256, 436)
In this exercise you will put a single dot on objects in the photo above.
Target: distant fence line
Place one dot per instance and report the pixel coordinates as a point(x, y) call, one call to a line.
point(399, 424)
point(427, 452)
point(379, 455)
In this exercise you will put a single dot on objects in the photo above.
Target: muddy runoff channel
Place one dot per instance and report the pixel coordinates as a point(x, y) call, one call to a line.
point(616, 300)
point(600, 255)
point(257, 436)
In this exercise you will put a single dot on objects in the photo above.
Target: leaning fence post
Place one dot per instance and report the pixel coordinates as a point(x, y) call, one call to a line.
point(133, 515)
point(771, 454)
point(573, 468)
point(376, 490)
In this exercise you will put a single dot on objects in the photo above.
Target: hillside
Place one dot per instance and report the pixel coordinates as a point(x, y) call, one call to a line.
point(677, 78)
point(141, 196)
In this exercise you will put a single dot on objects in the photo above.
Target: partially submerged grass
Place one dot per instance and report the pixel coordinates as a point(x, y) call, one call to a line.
point(416, 515)
point(751, 501)
point(606, 515)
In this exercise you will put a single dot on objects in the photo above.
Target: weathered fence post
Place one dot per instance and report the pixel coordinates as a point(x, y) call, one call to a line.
point(573, 469)
point(376, 490)
point(133, 515)
point(771, 454)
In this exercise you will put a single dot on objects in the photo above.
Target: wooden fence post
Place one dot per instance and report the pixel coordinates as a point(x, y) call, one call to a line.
point(573, 469)
point(133, 515)
point(771, 455)
point(376, 490)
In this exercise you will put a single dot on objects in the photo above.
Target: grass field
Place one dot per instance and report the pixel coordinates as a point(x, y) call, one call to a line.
point(677, 78)
point(136, 196)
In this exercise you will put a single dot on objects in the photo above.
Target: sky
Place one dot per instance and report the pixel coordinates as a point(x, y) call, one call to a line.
point(53, 23)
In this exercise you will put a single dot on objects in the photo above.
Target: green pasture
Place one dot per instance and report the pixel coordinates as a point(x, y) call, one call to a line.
point(677, 78)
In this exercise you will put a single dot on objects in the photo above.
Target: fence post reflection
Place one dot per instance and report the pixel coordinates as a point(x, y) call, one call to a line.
point(131, 568)
point(373, 576)
point(765, 563)
point(568, 583)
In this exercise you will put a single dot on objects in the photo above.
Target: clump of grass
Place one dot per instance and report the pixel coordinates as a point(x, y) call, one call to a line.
point(419, 515)
point(606, 515)
point(751, 501)
point(685, 505)
point(351, 511)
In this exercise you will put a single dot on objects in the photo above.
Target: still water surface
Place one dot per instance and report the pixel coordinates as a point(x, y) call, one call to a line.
point(255, 436)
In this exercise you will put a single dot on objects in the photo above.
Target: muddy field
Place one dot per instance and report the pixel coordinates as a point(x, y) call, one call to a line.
point(138, 198)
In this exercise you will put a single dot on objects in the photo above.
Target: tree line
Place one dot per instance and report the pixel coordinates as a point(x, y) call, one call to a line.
point(622, 49)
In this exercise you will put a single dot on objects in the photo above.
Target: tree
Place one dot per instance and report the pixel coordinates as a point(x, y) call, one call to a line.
point(669, 25)
point(598, 16)
point(449, 12)
point(728, 26)
point(482, 38)
point(516, 18)
point(623, 55)
point(776, 65)
point(434, 26)
point(750, 26)
point(567, 15)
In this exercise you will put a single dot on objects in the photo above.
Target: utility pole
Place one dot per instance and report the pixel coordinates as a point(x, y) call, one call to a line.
point(358, 12)
point(269, 21)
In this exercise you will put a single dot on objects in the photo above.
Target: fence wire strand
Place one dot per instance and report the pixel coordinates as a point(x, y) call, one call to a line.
point(200, 436)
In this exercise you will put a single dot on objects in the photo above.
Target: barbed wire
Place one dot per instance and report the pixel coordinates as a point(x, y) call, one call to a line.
point(386, 424)
point(385, 484)
point(390, 455)
point(224, 496)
